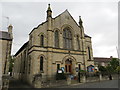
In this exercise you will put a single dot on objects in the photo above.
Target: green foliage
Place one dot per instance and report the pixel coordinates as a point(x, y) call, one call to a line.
point(114, 63)
point(109, 69)
point(11, 63)
point(118, 69)
point(82, 71)
point(102, 68)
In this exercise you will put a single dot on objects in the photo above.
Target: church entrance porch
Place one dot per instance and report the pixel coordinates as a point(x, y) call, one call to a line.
point(69, 63)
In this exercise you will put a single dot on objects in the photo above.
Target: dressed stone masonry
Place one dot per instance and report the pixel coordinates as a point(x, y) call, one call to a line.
point(57, 43)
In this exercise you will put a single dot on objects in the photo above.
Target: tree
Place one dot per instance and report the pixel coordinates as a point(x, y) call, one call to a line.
point(114, 63)
point(118, 69)
point(109, 69)
point(102, 68)
point(11, 64)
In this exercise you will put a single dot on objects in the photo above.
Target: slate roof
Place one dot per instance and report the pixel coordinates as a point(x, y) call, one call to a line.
point(87, 35)
point(5, 35)
point(102, 59)
point(24, 46)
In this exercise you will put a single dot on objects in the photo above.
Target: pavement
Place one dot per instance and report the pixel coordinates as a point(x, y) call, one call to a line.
point(18, 84)
point(102, 84)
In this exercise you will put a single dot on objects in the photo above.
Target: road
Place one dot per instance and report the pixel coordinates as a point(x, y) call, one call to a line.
point(102, 84)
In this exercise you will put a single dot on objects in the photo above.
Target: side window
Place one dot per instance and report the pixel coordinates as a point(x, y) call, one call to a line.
point(89, 54)
point(42, 40)
point(58, 66)
point(78, 42)
point(41, 63)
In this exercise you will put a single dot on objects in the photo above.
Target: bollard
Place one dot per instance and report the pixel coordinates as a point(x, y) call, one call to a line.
point(84, 79)
point(68, 81)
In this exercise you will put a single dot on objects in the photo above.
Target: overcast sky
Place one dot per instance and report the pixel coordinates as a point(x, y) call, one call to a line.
point(100, 20)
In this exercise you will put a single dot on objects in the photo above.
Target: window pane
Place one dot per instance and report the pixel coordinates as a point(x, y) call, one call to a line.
point(56, 39)
point(42, 40)
point(67, 36)
point(66, 68)
point(58, 66)
point(89, 55)
point(41, 63)
point(78, 42)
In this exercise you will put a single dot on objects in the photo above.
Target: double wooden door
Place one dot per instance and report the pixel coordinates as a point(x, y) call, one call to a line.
point(68, 66)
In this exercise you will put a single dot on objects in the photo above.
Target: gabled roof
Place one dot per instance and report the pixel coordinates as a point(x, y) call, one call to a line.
point(66, 11)
point(5, 35)
point(25, 45)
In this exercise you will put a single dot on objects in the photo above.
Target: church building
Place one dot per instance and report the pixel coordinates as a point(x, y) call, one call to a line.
point(57, 43)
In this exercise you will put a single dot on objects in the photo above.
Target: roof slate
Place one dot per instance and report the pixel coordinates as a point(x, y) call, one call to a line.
point(101, 59)
point(5, 35)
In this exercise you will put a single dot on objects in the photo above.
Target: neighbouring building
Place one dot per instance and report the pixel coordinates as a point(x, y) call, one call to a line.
point(5, 49)
point(57, 43)
point(102, 61)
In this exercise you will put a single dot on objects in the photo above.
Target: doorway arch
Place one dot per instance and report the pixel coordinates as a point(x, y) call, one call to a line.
point(69, 63)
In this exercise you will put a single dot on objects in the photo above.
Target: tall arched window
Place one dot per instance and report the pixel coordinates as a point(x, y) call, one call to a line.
point(41, 63)
point(41, 40)
point(89, 54)
point(56, 39)
point(78, 42)
point(67, 38)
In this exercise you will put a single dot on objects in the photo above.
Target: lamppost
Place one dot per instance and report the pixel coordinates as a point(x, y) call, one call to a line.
point(119, 63)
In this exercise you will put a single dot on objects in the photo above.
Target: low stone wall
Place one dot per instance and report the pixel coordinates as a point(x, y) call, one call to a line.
point(83, 79)
point(5, 82)
point(98, 78)
point(92, 79)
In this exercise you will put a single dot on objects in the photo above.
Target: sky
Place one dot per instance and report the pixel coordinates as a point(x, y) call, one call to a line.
point(100, 21)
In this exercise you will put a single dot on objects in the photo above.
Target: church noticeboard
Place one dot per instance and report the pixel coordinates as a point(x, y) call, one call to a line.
point(63, 69)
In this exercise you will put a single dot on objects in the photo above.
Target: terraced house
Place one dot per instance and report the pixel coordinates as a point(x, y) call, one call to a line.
point(57, 43)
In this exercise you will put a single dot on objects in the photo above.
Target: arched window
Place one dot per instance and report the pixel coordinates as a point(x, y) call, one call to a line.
point(56, 39)
point(78, 42)
point(42, 40)
point(67, 38)
point(41, 63)
point(89, 54)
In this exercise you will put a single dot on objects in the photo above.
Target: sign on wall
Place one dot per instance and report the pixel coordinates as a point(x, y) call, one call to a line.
point(63, 69)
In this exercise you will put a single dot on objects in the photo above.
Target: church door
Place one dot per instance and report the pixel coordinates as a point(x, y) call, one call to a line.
point(68, 66)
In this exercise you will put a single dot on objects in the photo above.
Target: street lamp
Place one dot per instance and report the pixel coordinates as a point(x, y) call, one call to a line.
point(119, 62)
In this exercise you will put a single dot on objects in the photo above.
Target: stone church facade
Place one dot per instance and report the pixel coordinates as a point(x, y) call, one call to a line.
point(57, 43)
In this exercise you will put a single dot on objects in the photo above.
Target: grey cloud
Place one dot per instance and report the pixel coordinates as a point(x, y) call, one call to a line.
point(98, 19)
